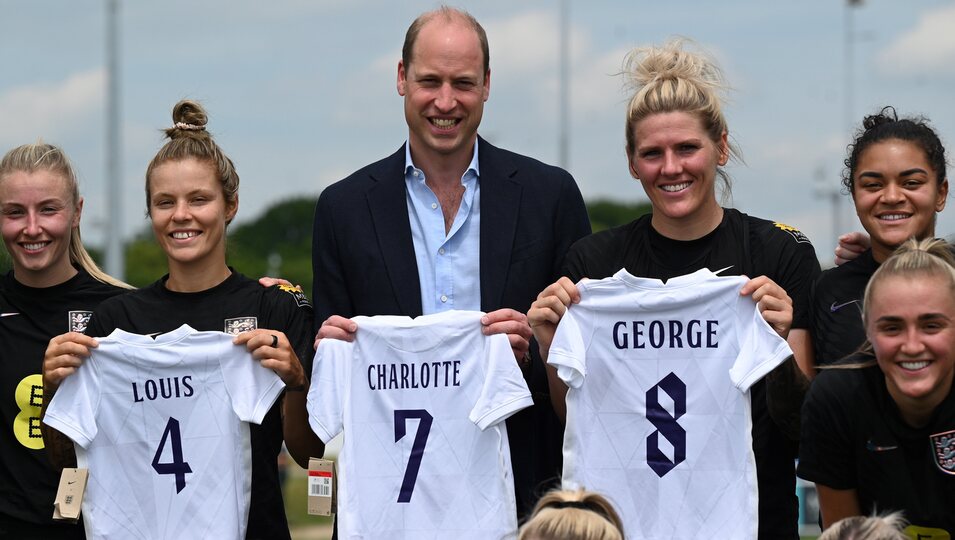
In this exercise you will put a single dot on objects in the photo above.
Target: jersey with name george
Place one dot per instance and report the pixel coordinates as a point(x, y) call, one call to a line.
point(422, 404)
point(162, 425)
point(658, 406)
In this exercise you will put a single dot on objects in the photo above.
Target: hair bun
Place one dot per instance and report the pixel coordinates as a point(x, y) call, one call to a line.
point(886, 115)
point(189, 120)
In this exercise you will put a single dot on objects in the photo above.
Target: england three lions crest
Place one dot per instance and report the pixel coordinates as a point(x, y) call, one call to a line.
point(240, 324)
point(79, 320)
point(943, 448)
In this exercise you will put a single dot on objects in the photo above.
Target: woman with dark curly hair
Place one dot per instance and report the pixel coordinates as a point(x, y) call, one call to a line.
point(895, 173)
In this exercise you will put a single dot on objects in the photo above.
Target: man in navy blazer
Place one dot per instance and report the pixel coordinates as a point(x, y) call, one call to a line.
point(371, 253)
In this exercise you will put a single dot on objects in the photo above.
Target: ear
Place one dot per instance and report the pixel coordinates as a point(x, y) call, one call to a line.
point(78, 213)
point(942, 196)
point(633, 170)
point(487, 84)
point(231, 208)
point(724, 148)
point(403, 79)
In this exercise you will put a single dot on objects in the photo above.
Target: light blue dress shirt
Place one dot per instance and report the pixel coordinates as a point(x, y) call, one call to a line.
point(448, 264)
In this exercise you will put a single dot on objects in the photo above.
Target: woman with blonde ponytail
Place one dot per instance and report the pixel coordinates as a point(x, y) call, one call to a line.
point(53, 288)
point(878, 430)
point(677, 145)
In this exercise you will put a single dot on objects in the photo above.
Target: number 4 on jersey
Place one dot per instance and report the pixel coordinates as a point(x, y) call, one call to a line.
point(417, 447)
point(177, 466)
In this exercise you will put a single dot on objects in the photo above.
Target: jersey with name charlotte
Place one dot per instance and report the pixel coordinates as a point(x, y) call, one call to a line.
point(422, 403)
point(658, 410)
point(162, 426)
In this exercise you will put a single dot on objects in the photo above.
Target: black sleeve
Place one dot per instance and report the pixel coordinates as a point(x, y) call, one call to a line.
point(791, 255)
point(825, 443)
point(292, 313)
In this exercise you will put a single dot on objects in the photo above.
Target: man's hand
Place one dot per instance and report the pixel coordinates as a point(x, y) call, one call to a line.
point(850, 246)
point(514, 324)
point(336, 327)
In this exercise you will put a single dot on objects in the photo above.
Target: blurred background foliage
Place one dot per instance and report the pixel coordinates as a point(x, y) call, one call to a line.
point(279, 242)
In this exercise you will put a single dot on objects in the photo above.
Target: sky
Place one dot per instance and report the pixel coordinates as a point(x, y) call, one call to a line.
point(302, 92)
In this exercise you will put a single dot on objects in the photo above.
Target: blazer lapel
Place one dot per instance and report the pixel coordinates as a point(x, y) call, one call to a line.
point(389, 212)
point(500, 205)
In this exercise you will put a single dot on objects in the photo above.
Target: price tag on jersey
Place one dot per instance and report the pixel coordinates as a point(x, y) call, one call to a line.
point(321, 475)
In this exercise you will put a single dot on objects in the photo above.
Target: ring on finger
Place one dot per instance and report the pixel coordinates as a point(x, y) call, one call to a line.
point(275, 341)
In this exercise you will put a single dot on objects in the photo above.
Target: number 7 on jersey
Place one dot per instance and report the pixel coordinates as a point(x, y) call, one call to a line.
point(417, 447)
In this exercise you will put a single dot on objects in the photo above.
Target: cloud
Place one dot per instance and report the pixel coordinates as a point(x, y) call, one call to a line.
point(926, 49)
point(51, 110)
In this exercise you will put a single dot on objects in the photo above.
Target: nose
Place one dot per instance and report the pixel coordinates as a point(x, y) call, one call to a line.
point(892, 194)
point(32, 227)
point(671, 164)
point(913, 345)
point(181, 212)
point(445, 99)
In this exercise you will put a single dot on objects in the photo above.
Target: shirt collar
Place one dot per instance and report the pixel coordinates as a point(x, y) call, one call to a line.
point(473, 166)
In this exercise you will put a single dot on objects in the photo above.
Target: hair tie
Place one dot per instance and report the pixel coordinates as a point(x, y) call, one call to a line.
point(571, 504)
point(189, 127)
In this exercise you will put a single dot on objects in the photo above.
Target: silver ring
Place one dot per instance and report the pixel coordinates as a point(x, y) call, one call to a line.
point(275, 341)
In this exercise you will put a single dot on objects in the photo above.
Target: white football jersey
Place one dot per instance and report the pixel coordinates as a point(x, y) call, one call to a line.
point(658, 406)
point(162, 426)
point(422, 404)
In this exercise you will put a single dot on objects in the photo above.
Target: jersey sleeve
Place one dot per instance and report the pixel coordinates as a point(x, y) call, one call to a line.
point(292, 314)
point(504, 391)
point(825, 451)
point(760, 348)
point(252, 388)
point(567, 350)
point(326, 395)
point(75, 405)
point(789, 259)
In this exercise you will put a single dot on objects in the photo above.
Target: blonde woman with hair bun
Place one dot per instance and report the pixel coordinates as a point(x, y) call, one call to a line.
point(678, 143)
point(572, 515)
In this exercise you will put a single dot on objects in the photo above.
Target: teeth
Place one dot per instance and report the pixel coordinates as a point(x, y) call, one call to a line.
point(184, 235)
point(675, 187)
point(893, 217)
point(34, 247)
point(444, 123)
point(913, 366)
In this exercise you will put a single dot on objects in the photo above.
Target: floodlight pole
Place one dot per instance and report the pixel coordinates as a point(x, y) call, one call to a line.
point(563, 145)
point(114, 221)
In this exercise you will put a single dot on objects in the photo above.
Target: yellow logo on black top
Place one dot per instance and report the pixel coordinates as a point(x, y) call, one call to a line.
point(797, 235)
point(298, 294)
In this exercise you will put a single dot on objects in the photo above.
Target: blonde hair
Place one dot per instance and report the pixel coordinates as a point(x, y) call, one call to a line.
point(573, 515)
point(914, 258)
point(672, 79)
point(188, 138)
point(41, 156)
point(887, 527)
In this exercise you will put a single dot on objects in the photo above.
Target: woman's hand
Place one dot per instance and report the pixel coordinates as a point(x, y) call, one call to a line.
point(548, 309)
point(273, 350)
point(64, 354)
point(774, 304)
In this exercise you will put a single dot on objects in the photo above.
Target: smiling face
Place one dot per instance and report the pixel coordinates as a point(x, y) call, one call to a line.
point(189, 215)
point(897, 194)
point(444, 88)
point(37, 216)
point(675, 161)
point(911, 325)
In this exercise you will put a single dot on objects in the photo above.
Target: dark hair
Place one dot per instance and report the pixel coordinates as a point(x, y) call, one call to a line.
point(887, 125)
point(188, 138)
point(449, 14)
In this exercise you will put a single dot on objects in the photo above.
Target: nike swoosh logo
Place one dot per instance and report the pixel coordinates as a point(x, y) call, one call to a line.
point(722, 270)
point(873, 447)
point(8, 314)
point(836, 307)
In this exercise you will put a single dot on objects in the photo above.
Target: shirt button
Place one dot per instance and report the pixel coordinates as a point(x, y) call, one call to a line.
point(441, 251)
point(444, 298)
point(434, 205)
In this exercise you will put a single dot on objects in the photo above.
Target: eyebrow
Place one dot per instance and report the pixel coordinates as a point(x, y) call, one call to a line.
point(907, 172)
point(922, 317)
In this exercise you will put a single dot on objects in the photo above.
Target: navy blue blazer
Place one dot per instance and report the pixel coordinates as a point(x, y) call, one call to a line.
point(363, 263)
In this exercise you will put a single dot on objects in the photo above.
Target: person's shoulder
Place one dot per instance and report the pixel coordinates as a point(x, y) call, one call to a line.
point(356, 182)
point(846, 377)
point(774, 232)
point(525, 168)
point(613, 238)
point(861, 267)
